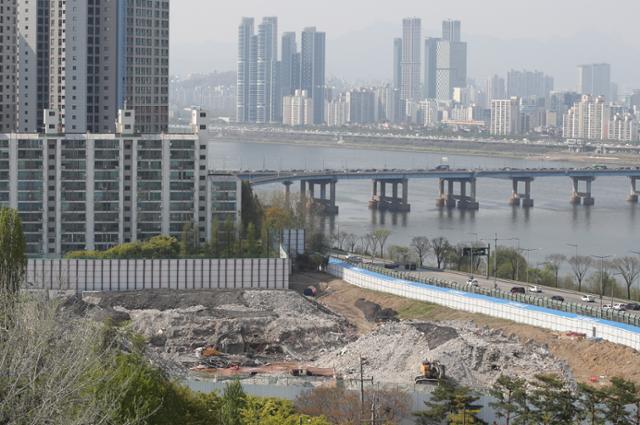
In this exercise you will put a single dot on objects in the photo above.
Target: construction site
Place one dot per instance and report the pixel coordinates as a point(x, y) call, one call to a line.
point(325, 338)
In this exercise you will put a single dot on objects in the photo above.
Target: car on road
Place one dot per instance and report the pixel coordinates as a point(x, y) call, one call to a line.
point(354, 258)
point(472, 282)
point(518, 290)
point(633, 307)
point(607, 307)
point(535, 289)
point(442, 168)
point(557, 298)
point(588, 298)
point(619, 307)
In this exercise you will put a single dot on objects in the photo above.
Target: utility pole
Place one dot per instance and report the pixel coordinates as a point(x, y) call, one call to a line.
point(602, 258)
point(528, 251)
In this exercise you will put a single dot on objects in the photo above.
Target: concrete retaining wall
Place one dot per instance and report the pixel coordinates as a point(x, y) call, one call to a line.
point(559, 321)
point(132, 275)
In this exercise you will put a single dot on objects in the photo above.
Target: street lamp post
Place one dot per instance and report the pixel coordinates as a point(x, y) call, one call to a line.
point(602, 258)
point(528, 251)
point(472, 264)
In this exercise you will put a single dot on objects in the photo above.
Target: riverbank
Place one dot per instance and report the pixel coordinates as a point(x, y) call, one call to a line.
point(530, 152)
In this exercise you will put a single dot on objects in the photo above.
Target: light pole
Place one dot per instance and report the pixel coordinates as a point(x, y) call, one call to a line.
point(602, 258)
point(472, 264)
point(495, 259)
point(574, 245)
point(528, 251)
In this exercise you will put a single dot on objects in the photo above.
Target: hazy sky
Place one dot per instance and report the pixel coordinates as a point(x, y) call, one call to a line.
point(553, 36)
point(217, 20)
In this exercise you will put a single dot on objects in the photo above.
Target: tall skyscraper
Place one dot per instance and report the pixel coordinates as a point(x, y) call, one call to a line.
point(445, 63)
point(268, 106)
point(84, 61)
point(8, 59)
point(595, 79)
point(312, 69)
point(411, 54)
point(397, 63)
point(526, 84)
point(289, 65)
point(245, 105)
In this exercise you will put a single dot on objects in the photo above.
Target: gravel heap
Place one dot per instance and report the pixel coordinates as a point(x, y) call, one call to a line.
point(472, 356)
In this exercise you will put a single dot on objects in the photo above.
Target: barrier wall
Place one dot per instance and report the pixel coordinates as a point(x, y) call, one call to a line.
point(559, 321)
point(134, 275)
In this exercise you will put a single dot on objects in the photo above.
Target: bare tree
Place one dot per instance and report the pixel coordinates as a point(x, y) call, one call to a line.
point(371, 244)
point(629, 268)
point(441, 248)
point(381, 236)
point(580, 266)
point(352, 242)
point(340, 238)
point(421, 245)
point(554, 262)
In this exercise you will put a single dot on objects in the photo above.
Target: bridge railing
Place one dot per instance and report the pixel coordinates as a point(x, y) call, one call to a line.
point(590, 311)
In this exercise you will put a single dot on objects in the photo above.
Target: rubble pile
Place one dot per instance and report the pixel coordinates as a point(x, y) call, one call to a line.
point(249, 327)
point(472, 356)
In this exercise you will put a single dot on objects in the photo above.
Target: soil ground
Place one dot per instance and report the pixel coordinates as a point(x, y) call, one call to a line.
point(589, 361)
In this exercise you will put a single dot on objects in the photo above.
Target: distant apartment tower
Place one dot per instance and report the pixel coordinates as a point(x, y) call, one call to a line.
point(267, 85)
point(289, 65)
point(297, 110)
point(495, 89)
point(588, 119)
point(362, 106)
point(505, 117)
point(8, 59)
point(445, 63)
point(337, 111)
point(526, 84)
point(411, 59)
point(397, 63)
point(246, 78)
point(624, 127)
point(312, 70)
point(595, 79)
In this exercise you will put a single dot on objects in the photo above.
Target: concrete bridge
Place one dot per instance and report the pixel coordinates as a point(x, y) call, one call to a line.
point(457, 188)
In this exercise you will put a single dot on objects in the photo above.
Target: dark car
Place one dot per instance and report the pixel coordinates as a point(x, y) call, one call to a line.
point(557, 298)
point(632, 307)
point(518, 290)
point(443, 168)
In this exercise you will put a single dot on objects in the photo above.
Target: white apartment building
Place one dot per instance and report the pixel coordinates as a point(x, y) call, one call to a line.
point(429, 112)
point(624, 128)
point(505, 117)
point(588, 119)
point(337, 112)
point(297, 110)
point(93, 191)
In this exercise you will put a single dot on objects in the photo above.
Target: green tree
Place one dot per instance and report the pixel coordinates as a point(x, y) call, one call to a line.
point(399, 254)
point(188, 242)
point(510, 264)
point(620, 394)
point(214, 238)
point(229, 231)
point(234, 401)
point(252, 210)
point(271, 411)
point(13, 258)
point(442, 404)
point(506, 392)
point(589, 405)
point(252, 242)
point(552, 401)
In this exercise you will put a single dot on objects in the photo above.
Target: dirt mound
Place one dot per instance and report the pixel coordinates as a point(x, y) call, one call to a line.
point(262, 326)
point(472, 356)
point(374, 313)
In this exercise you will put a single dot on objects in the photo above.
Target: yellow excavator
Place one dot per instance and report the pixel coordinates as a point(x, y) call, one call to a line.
point(431, 372)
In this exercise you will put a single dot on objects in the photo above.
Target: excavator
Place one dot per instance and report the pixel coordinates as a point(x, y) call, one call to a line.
point(430, 372)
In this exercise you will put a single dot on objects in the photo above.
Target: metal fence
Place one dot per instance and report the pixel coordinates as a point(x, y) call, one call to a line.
point(520, 309)
point(136, 275)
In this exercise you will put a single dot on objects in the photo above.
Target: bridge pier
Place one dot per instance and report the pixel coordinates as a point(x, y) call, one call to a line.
point(326, 201)
point(585, 197)
point(287, 191)
point(462, 201)
point(396, 202)
point(634, 195)
point(521, 199)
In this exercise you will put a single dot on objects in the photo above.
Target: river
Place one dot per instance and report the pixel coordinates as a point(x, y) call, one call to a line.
point(609, 228)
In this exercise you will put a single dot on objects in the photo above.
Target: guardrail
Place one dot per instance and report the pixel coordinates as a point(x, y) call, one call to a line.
point(590, 311)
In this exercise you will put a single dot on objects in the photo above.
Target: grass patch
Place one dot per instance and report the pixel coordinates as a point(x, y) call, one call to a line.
point(417, 310)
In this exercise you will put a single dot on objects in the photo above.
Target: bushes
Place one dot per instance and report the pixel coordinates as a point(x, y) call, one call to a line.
point(158, 247)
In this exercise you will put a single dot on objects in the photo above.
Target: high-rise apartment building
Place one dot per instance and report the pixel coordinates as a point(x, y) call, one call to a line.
point(397, 63)
point(588, 119)
point(505, 117)
point(268, 107)
point(85, 60)
point(289, 65)
point(495, 89)
point(411, 59)
point(595, 79)
point(526, 84)
point(246, 79)
point(8, 59)
point(312, 69)
point(297, 110)
point(445, 63)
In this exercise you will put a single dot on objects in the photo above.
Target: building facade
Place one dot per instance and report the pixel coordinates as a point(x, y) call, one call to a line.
point(93, 191)
point(445, 63)
point(8, 59)
point(411, 59)
point(312, 70)
point(268, 106)
point(297, 110)
point(595, 80)
point(526, 84)
point(505, 117)
point(587, 119)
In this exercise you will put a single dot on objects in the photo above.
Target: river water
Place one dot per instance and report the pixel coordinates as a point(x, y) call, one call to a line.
point(611, 227)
